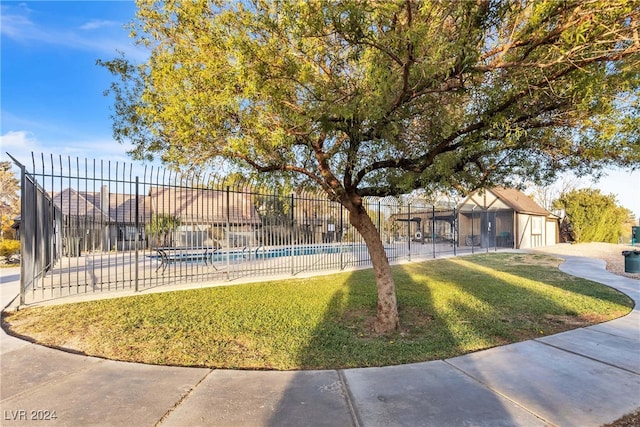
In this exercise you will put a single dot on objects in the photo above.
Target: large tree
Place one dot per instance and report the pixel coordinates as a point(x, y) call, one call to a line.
point(378, 98)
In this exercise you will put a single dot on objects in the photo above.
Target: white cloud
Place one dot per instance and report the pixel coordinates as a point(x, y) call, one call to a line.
point(16, 138)
point(20, 144)
point(96, 149)
point(98, 157)
point(96, 24)
point(18, 141)
point(16, 24)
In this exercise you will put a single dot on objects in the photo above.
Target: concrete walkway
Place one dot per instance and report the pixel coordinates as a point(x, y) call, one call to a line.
point(585, 377)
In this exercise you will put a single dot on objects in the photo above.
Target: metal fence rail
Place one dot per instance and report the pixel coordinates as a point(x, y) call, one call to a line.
point(92, 226)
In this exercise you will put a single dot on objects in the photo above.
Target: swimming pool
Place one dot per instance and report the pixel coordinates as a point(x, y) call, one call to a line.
point(277, 252)
point(265, 252)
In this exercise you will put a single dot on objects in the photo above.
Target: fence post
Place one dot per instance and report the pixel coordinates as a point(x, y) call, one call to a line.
point(293, 271)
point(341, 239)
point(409, 230)
point(228, 238)
point(488, 230)
point(433, 229)
point(137, 240)
point(379, 220)
point(23, 237)
point(472, 230)
point(456, 230)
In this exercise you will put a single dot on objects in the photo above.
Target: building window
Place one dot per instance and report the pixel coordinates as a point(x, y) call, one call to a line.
point(537, 223)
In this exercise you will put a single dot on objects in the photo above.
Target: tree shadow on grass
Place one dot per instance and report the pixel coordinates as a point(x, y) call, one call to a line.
point(447, 309)
point(345, 337)
point(340, 340)
point(504, 305)
point(544, 269)
point(528, 265)
point(433, 327)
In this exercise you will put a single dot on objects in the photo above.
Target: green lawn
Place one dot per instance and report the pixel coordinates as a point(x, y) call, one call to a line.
point(447, 307)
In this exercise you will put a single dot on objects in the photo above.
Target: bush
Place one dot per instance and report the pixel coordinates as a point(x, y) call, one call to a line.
point(594, 217)
point(9, 248)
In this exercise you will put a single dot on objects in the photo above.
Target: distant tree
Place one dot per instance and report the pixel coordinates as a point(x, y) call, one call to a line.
point(626, 226)
point(546, 195)
point(161, 226)
point(376, 98)
point(594, 217)
point(9, 199)
point(271, 199)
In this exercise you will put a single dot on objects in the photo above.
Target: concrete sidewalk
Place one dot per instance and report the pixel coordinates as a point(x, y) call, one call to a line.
point(585, 377)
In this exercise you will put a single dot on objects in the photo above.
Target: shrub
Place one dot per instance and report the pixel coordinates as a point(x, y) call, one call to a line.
point(9, 247)
point(594, 217)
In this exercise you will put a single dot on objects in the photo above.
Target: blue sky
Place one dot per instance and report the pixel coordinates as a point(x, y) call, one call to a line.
point(52, 90)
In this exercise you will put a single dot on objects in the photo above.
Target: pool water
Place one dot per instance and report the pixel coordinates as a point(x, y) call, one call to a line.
point(265, 253)
point(273, 252)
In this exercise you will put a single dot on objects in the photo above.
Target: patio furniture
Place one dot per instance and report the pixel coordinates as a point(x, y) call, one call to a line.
point(169, 255)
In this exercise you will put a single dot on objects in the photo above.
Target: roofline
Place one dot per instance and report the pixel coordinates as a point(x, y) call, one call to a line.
point(508, 202)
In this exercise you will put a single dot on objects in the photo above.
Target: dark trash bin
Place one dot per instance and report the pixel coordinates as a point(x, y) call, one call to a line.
point(631, 261)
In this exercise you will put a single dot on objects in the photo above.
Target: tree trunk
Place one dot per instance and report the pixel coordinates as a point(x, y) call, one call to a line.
point(387, 314)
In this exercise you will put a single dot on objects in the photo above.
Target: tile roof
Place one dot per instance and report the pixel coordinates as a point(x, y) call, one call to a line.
point(190, 205)
point(89, 204)
point(203, 205)
point(519, 201)
point(122, 208)
point(73, 202)
point(508, 197)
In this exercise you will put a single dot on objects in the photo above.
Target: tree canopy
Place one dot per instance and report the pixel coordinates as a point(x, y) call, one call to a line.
point(594, 217)
point(382, 97)
point(378, 98)
point(9, 198)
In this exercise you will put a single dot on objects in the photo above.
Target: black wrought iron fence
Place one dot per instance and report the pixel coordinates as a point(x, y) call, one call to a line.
point(98, 226)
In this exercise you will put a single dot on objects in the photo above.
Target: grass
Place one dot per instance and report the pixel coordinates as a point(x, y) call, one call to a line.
point(10, 265)
point(447, 308)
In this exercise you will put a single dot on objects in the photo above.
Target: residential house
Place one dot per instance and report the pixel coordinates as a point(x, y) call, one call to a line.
point(204, 217)
point(101, 220)
point(107, 221)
